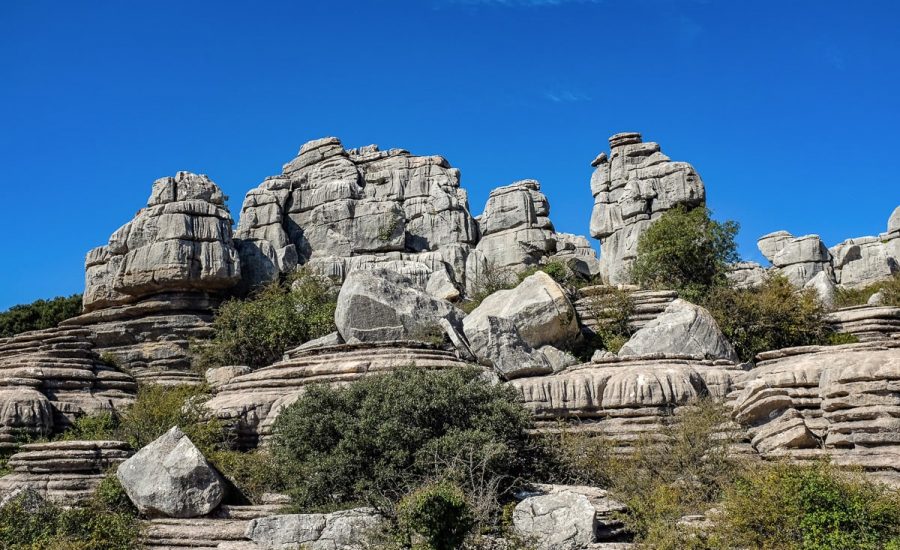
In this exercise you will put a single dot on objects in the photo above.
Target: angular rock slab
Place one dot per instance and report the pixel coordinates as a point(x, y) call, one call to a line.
point(342, 530)
point(683, 329)
point(171, 478)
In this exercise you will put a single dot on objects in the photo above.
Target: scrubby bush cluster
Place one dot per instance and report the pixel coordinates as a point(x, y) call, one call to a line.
point(687, 251)
point(379, 439)
point(38, 315)
point(257, 331)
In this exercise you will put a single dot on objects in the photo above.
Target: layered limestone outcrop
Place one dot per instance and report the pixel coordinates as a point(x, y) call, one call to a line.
point(249, 403)
point(153, 287)
point(839, 401)
point(65, 472)
point(225, 528)
point(624, 398)
point(50, 377)
point(633, 186)
point(867, 323)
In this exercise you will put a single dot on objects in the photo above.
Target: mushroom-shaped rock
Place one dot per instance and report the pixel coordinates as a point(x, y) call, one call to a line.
point(380, 305)
point(538, 307)
point(682, 329)
point(170, 477)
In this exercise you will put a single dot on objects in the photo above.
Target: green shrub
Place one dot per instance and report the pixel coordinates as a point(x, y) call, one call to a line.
point(252, 473)
point(374, 440)
point(612, 308)
point(256, 332)
point(808, 507)
point(840, 338)
point(96, 427)
point(772, 316)
point(39, 315)
point(436, 514)
point(687, 251)
point(489, 281)
point(890, 288)
point(29, 522)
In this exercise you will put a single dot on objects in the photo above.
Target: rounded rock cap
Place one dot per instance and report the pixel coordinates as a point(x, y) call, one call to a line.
point(624, 138)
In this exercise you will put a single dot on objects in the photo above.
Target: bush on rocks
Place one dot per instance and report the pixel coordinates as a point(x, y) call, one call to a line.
point(772, 316)
point(889, 289)
point(38, 315)
point(435, 517)
point(374, 440)
point(687, 251)
point(257, 331)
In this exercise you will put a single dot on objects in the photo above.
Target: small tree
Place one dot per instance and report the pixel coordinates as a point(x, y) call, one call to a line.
point(40, 314)
point(439, 514)
point(685, 250)
point(256, 332)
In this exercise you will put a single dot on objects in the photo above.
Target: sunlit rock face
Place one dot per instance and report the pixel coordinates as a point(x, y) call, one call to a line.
point(633, 186)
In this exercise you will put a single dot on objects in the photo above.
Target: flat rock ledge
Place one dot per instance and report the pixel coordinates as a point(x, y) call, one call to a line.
point(250, 403)
point(66, 472)
point(594, 305)
point(867, 322)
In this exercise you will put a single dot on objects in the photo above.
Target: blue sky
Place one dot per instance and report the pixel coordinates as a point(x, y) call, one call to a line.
point(788, 109)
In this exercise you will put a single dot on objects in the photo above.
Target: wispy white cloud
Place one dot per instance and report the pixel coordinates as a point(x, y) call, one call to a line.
point(566, 96)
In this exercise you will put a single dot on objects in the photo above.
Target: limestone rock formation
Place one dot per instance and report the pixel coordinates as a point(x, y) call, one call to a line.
point(632, 186)
point(65, 472)
point(564, 517)
point(867, 323)
point(382, 305)
point(250, 403)
point(599, 305)
point(341, 530)
point(170, 477)
point(497, 343)
point(340, 209)
point(516, 231)
point(224, 528)
point(746, 274)
point(682, 329)
point(626, 398)
point(180, 241)
point(50, 377)
point(839, 401)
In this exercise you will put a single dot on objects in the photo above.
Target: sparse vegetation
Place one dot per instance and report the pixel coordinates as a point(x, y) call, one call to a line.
point(889, 288)
point(773, 316)
point(257, 331)
point(687, 251)
point(38, 315)
point(612, 309)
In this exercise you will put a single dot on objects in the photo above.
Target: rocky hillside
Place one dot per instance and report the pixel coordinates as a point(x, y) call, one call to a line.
point(420, 283)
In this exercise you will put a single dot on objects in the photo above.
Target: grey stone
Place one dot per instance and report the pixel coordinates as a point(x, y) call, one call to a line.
point(497, 344)
point(876, 299)
point(330, 339)
point(683, 329)
point(559, 359)
point(746, 275)
point(171, 478)
point(863, 261)
point(383, 305)
point(557, 521)
point(824, 287)
point(219, 376)
point(342, 530)
point(635, 185)
point(771, 244)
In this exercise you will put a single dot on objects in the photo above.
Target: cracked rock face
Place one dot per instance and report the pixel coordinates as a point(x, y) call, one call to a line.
point(171, 478)
point(180, 241)
point(632, 186)
point(339, 209)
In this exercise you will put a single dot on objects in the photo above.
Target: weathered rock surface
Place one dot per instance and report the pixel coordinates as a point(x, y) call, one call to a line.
point(65, 472)
point(49, 377)
point(599, 305)
point(224, 528)
point(171, 478)
point(625, 398)
point(180, 241)
point(342, 530)
point(862, 261)
point(746, 274)
point(250, 403)
point(633, 186)
point(381, 305)
point(839, 401)
point(682, 329)
point(866, 322)
point(498, 344)
point(802, 258)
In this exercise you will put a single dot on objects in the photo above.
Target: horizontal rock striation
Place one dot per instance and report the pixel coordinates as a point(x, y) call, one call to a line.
point(66, 472)
point(623, 398)
point(226, 525)
point(867, 323)
point(596, 305)
point(49, 377)
point(632, 186)
point(815, 401)
point(250, 403)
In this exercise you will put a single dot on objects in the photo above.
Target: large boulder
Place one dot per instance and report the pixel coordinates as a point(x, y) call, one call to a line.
point(682, 329)
point(498, 344)
point(632, 186)
point(171, 478)
point(24, 411)
point(538, 307)
point(561, 521)
point(379, 305)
